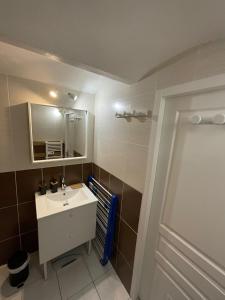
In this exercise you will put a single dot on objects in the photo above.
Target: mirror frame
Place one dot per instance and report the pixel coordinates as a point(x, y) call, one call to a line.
point(55, 159)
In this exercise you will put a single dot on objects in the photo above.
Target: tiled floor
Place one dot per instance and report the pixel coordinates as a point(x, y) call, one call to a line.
point(82, 279)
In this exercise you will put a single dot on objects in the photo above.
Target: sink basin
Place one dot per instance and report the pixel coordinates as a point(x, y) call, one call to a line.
point(68, 195)
point(62, 195)
point(50, 204)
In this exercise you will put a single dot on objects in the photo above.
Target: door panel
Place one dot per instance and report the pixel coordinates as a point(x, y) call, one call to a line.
point(191, 245)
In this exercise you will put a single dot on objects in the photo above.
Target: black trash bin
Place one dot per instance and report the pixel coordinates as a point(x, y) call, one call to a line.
point(18, 266)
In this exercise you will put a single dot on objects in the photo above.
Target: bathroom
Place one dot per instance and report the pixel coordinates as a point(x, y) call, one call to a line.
point(98, 110)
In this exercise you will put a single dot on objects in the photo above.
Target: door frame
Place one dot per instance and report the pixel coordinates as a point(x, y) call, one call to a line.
point(194, 87)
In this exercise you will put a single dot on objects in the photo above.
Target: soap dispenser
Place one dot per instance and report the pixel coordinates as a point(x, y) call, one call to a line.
point(54, 185)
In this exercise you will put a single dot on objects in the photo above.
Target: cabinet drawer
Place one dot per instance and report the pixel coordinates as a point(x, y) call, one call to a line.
point(64, 231)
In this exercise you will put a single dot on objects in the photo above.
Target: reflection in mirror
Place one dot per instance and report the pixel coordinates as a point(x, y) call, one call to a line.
point(57, 133)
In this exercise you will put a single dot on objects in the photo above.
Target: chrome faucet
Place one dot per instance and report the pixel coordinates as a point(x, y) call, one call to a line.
point(63, 185)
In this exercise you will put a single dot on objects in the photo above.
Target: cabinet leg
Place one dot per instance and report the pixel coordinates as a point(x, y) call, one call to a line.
point(45, 271)
point(89, 247)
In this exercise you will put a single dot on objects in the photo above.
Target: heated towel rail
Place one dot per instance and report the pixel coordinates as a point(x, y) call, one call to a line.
point(106, 215)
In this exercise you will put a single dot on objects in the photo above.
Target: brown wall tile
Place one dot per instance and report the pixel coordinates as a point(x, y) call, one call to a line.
point(8, 189)
point(131, 205)
point(127, 242)
point(27, 217)
point(7, 248)
point(124, 272)
point(30, 241)
point(113, 258)
point(73, 174)
point(126, 227)
point(87, 171)
point(117, 229)
point(27, 184)
point(116, 187)
point(96, 172)
point(52, 173)
point(8, 223)
point(104, 178)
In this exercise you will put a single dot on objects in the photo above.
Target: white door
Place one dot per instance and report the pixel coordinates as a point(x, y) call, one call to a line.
point(189, 202)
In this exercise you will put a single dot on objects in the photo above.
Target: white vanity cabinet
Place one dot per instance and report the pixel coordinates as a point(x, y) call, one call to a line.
point(65, 224)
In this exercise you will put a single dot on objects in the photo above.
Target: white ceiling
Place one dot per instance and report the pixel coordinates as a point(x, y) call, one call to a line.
point(30, 65)
point(125, 39)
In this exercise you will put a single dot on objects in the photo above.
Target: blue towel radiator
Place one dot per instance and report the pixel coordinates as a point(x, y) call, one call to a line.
point(106, 217)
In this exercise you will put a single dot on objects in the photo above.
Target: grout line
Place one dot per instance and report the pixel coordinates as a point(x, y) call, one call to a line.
point(13, 154)
point(93, 281)
point(60, 291)
point(10, 238)
point(120, 217)
point(128, 225)
point(89, 272)
point(98, 174)
point(19, 203)
point(11, 127)
point(4, 207)
point(30, 231)
point(97, 291)
point(124, 257)
point(18, 214)
point(109, 181)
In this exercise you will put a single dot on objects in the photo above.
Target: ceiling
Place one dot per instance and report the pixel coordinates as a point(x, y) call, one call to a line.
point(27, 64)
point(124, 39)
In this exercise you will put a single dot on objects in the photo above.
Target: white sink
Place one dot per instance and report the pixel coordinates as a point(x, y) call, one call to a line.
point(67, 198)
point(63, 195)
point(53, 203)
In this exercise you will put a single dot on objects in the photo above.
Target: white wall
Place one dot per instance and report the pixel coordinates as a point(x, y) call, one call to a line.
point(205, 62)
point(121, 147)
point(15, 93)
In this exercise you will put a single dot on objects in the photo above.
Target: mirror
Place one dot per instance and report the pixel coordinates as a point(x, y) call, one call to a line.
point(57, 132)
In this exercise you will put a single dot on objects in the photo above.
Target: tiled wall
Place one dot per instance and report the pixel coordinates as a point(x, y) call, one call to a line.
point(127, 223)
point(17, 206)
point(18, 215)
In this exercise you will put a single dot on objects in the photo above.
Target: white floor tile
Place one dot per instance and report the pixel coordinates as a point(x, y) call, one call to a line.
point(6, 291)
point(94, 266)
point(18, 295)
point(73, 281)
point(73, 278)
point(43, 289)
point(109, 287)
point(88, 293)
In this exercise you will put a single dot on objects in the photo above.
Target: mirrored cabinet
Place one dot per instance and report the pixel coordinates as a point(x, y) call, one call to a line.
point(57, 133)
